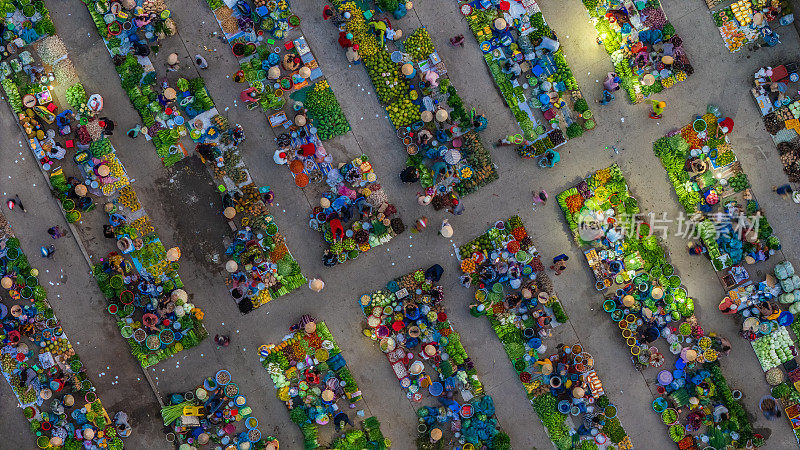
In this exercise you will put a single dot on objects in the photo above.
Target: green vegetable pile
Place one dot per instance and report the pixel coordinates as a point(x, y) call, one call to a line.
point(76, 95)
point(326, 112)
point(739, 182)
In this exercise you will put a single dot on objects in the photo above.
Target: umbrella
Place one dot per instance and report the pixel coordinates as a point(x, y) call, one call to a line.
point(231, 266)
point(229, 212)
point(452, 156)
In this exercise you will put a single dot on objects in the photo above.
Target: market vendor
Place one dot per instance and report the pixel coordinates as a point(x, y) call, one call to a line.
point(56, 151)
point(724, 126)
point(512, 67)
point(434, 273)
point(649, 334)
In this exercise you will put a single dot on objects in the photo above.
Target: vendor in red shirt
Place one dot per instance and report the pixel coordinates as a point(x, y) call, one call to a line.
point(724, 126)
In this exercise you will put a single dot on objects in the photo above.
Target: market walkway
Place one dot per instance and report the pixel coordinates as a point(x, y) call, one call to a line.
point(183, 209)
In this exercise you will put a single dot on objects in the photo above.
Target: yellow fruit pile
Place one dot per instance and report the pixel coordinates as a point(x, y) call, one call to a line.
point(261, 298)
point(117, 172)
point(143, 225)
point(681, 76)
point(742, 11)
point(128, 199)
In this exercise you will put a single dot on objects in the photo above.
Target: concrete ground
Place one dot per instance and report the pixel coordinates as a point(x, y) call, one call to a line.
point(184, 208)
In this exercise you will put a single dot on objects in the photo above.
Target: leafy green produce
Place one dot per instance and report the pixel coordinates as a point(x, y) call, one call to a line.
point(325, 110)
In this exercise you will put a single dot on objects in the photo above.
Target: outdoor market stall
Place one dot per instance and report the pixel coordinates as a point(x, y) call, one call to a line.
point(743, 22)
point(699, 159)
point(244, 22)
point(528, 65)
point(647, 54)
point(214, 414)
point(644, 296)
point(776, 93)
point(66, 136)
point(312, 379)
point(711, 184)
point(410, 80)
point(41, 366)
point(409, 320)
point(183, 114)
point(354, 215)
point(516, 295)
point(130, 29)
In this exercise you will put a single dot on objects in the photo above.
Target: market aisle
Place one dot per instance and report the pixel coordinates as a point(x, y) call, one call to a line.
point(74, 297)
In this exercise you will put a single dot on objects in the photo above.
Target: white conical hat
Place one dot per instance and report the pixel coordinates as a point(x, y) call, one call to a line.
point(231, 266)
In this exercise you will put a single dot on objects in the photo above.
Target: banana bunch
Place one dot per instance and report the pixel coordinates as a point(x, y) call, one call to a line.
point(127, 198)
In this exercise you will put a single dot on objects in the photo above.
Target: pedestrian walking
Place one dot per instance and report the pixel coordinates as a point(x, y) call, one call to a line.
point(134, 132)
point(316, 284)
point(561, 257)
point(56, 232)
point(201, 62)
point(608, 97)
point(458, 208)
point(47, 251)
point(14, 202)
point(327, 12)
point(409, 175)
point(658, 109)
point(559, 266)
point(420, 225)
point(173, 64)
point(785, 191)
point(446, 230)
point(121, 421)
point(541, 197)
point(222, 340)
